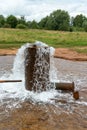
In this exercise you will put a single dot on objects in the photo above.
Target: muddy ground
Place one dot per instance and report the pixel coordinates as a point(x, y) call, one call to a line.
point(45, 117)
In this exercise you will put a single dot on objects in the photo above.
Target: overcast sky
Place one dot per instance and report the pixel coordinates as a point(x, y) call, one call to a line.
point(37, 9)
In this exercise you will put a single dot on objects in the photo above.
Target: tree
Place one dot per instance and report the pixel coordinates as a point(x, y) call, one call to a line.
point(78, 20)
point(62, 19)
point(12, 21)
point(22, 20)
point(42, 23)
point(33, 24)
point(2, 20)
point(29, 24)
point(58, 20)
point(85, 25)
point(51, 24)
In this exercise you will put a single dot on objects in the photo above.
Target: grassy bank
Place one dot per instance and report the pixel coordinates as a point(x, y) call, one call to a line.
point(14, 38)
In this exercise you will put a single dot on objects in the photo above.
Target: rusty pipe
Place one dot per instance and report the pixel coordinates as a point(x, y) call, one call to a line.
point(64, 86)
point(7, 81)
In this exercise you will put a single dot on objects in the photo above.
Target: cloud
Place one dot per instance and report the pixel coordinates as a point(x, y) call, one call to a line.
point(37, 9)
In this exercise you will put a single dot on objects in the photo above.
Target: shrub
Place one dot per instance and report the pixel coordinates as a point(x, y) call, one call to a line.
point(6, 25)
point(21, 26)
point(85, 25)
point(71, 29)
point(12, 20)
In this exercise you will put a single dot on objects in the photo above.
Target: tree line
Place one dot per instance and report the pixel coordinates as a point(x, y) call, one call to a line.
point(57, 20)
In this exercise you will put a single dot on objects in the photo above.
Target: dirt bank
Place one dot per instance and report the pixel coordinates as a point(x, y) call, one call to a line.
point(4, 52)
point(63, 53)
point(70, 54)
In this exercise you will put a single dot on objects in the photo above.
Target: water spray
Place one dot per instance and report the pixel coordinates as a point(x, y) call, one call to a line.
point(35, 70)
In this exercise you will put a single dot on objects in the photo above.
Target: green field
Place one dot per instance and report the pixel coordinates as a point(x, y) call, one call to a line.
point(14, 38)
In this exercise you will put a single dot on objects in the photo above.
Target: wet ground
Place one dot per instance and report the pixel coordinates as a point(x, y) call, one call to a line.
point(6, 63)
point(64, 113)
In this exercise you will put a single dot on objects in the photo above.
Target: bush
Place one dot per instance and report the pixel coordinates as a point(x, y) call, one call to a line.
point(85, 28)
point(6, 25)
point(0, 25)
point(12, 20)
point(71, 29)
point(78, 29)
point(85, 25)
point(21, 26)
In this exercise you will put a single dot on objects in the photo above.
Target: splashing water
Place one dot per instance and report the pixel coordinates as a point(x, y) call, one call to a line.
point(17, 93)
point(17, 90)
point(39, 79)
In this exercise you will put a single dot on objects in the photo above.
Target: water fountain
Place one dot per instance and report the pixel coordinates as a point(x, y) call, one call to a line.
point(37, 67)
point(37, 71)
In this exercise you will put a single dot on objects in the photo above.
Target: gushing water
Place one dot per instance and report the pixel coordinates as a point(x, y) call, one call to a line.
point(17, 90)
point(38, 68)
point(14, 93)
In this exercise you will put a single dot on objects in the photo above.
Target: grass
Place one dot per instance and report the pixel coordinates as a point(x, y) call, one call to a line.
point(14, 38)
point(79, 50)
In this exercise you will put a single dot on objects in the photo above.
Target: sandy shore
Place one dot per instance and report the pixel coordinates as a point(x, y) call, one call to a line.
point(63, 53)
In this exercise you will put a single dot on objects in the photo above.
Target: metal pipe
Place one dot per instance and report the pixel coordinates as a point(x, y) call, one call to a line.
point(64, 86)
point(33, 67)
point(76, 95)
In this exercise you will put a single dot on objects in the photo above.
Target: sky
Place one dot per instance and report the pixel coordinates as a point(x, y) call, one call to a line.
point(38, 9)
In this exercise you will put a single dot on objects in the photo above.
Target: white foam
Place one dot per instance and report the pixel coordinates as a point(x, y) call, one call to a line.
point(82, 103)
